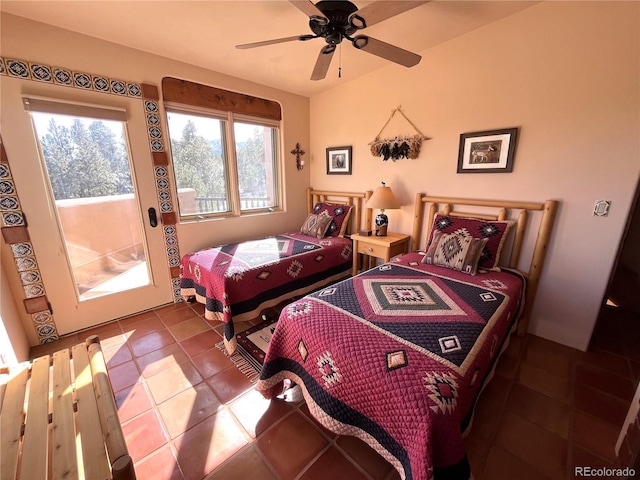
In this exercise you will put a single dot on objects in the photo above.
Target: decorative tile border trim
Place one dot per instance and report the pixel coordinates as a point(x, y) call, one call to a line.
point(11, 212)
point(155, 134)
point(16, 235)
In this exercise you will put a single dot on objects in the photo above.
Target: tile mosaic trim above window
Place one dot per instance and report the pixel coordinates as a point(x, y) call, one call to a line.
point(12, 215)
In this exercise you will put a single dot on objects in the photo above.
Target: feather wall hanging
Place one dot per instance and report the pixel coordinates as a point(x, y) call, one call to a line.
point(399, 146)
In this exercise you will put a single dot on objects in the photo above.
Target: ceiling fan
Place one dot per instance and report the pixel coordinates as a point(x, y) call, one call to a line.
point(336, 20)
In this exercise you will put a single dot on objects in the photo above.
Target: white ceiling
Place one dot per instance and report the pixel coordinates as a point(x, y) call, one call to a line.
point(205, 33)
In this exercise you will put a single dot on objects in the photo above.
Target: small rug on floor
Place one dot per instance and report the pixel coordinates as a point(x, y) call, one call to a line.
point(251, 348)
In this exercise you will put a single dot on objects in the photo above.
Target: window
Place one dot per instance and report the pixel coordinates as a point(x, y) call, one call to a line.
point(224, 148)
point(207, 164)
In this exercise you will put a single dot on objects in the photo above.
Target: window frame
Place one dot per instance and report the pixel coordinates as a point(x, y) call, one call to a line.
point(228, 119)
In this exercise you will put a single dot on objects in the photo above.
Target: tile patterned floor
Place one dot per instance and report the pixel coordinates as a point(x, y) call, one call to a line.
point(188, 413)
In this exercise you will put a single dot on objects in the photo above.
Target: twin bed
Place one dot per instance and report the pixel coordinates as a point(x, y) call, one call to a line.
point(237, 281)
point(399, 354)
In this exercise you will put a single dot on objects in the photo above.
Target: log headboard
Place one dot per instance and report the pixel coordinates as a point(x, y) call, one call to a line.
point(361, 216)
point(517, 211)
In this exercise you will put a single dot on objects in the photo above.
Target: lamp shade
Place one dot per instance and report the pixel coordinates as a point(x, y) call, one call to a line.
point(383, 198)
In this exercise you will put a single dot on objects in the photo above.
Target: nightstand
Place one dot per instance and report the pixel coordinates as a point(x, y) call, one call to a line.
point(379, 247)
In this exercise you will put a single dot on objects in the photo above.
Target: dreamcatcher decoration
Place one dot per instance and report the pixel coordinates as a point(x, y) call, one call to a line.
point(398, 147)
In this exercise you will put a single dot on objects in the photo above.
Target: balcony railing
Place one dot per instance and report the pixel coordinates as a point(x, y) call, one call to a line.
point(220, 204)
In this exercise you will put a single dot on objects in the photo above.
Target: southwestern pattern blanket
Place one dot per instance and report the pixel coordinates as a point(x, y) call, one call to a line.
point(397, 356)
point(238, 280)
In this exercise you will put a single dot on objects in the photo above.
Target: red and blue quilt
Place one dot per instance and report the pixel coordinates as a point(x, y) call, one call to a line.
point(397, 356)
point(238, 280)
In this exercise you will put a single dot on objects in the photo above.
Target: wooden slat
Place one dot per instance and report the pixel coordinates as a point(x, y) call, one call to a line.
point(121, 462)
point(11, 417)
point(34, 448)
point(64, 461)
point(94, 457)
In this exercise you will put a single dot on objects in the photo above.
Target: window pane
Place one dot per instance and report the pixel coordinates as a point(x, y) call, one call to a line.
point(255, 151)
point(199, 164)
point(87, 162)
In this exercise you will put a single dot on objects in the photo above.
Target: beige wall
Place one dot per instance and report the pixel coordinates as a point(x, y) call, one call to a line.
point(14, 343)
point(567, 74)
point(27, 40)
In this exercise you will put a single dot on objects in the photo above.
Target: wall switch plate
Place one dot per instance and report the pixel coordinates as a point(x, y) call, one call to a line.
point(601, 208)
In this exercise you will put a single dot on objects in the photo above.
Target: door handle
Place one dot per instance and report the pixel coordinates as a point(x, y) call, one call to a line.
point(153, 218)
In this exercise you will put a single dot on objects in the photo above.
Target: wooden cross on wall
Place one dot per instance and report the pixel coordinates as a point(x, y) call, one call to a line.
point(298, 153)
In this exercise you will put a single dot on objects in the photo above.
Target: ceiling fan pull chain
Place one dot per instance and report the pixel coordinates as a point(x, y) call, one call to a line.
point(340, 62)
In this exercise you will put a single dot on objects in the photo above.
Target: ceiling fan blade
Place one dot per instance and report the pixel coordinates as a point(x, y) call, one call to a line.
point(308, 8)
point(386, 50)
point(272, 42)
point(323, 62)
point(378, 11)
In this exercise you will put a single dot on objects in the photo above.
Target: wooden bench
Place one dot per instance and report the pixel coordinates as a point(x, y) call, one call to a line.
point(58, 419)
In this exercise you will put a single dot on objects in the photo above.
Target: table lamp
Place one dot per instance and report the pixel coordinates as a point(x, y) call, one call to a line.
point(383, 198)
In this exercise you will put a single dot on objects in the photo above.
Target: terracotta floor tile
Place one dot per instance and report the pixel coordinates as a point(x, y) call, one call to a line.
point(605, 381)
point(104, 332)
point(275, 444)
point(186, 409)
point(161, 359)
point(600, 405)
point(365, 456)
point(174, 317)
point(150, 342)
point(143, 435)
point(200, 343)
point(584, 458)
point(255, 413)
point(502, 465)
point(244, 465)
point(142, 328)
point(123, 376)
point(543, 381)
point(172, 381)
point(117, 355)
point(171, 307)
point(534, 445)
point(540, 409)
point(595, 435)
point(208, 444)
point(132, 401)
point(332, 464)
point(198, 308)
point(137, 318)
point(49, 348)
point(477, 452)
point(211, 362)
point(189, 328)
point(229, 384)
point(614, 363)
point(486, 418)
point(160, 465)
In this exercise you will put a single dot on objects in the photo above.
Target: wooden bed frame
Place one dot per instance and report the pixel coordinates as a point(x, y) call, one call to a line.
point(357, 200)
point(499, 210)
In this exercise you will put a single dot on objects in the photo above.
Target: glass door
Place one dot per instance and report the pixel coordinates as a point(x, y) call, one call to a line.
point(88, 167)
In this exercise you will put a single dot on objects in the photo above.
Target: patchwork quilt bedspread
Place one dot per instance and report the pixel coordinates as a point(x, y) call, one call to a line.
point(397, 356)
point(237, 281)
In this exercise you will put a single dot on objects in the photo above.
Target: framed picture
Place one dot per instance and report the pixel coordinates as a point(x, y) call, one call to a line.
point(487, 152)
point(339, 161)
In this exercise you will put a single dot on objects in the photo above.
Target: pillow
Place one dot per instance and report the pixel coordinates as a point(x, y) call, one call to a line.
point(340, 217)
point(316, 225)
point(495, 231)
point(459, 252)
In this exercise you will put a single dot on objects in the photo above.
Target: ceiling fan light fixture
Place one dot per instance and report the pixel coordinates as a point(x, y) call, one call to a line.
point(327, 49)
point(319, 19)
point(357, 22)
point(360, 41)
